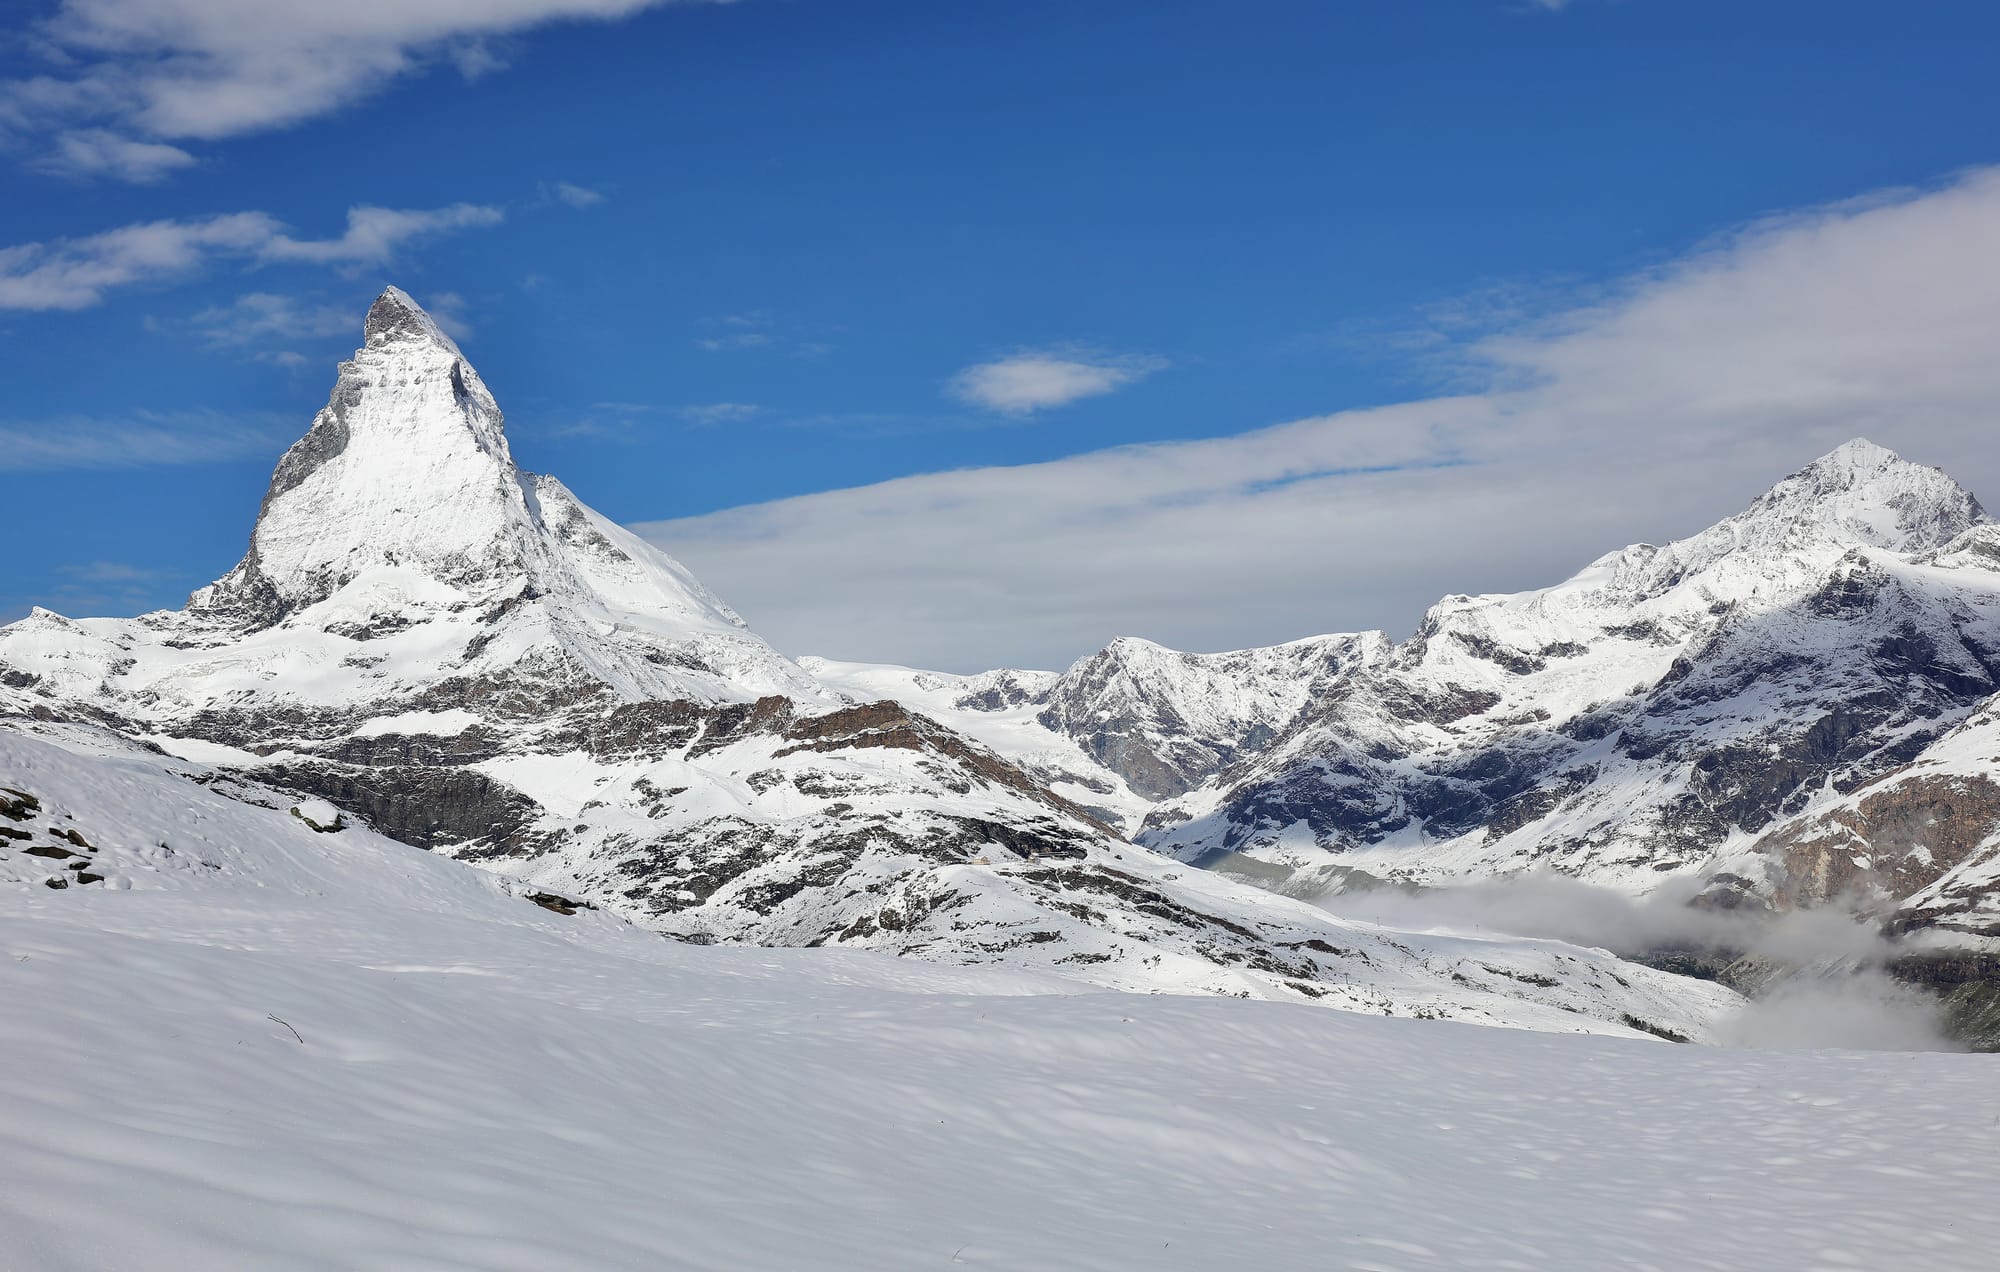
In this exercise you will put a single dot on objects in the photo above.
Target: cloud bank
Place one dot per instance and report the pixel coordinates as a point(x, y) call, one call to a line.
point(1826, 984)
point(1659, 407)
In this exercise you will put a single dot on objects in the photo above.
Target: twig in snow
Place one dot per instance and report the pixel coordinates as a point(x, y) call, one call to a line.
point(287, 1024)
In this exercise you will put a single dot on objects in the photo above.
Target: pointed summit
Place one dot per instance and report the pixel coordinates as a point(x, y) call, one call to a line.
point(401, 511)
point(406, 468)
point(1862, 494)
point(1859, 495)
point(394, 316)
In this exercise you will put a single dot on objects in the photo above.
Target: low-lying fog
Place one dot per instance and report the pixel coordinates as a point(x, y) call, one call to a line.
point(1830, 987)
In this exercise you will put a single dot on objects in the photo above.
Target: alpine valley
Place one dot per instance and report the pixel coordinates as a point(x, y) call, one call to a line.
point(1793, 709)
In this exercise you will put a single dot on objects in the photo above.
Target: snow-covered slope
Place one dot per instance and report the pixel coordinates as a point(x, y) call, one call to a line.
point(464, 658)
point(1000, 710)
point(83, 809)
point(255, 1045)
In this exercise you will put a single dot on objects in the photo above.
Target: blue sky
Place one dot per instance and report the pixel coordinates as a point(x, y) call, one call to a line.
point(713, 256)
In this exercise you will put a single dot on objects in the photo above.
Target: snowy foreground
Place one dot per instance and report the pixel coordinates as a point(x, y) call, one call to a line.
point(476, 1082)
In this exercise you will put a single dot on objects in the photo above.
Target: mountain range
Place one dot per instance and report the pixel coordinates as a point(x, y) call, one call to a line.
point(1792, 709)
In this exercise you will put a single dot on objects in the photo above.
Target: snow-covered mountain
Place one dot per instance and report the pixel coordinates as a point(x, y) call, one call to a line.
point(1661, 714)
point(461, 656)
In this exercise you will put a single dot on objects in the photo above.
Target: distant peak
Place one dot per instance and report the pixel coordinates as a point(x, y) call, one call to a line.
point(1862, 466)
point(395, 316)
point(1859, 457)
point(1859, 494)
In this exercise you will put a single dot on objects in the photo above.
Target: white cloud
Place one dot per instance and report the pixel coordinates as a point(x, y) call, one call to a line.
point(447, 309)
point(737, 332)
point(93, 152)
point(108, 587)
point(76, 273)
point(144, 439)
point(627, 421)
point(715, 414)
point(1642, 416)
point(259, 316)
point(168, 70)
point(374, 234)
point(1029, 382)
point(575, 195)
point(734, 341)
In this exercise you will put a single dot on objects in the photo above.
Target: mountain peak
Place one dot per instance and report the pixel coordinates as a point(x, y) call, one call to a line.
point(407, 466)
point(395, 316)
point(1855, 461)
point(1858, 495)
point(1862, 494)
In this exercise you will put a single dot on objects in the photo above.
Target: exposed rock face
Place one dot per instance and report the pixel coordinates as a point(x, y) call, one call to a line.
point(1168, 722)
point(464, 657)
point(1921, 840)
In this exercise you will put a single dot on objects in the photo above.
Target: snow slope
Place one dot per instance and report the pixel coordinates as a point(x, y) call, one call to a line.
point(257, 1046)
point(1120, 919)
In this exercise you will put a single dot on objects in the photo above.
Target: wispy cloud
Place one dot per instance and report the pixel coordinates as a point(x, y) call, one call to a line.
point(575, 196)
point(736, 332)
point(373, 234)
point(76, 273)
point(448, 309)
point(124, 75)
point(144, 439)
point(1027, 382)
point(268, 319)
point(260, 316)
point(634, 421)
point(716, 414)
point(108, 587)
point(1652, 409)
point(734, 341)
point(98, 152)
